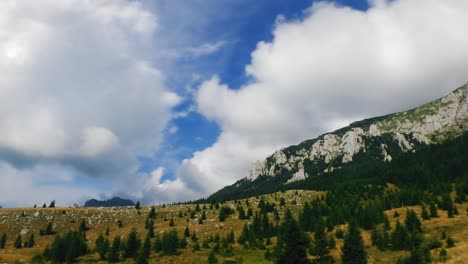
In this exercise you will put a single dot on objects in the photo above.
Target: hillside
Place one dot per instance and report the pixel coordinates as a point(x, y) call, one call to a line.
point(379, 141)
point(27, 221)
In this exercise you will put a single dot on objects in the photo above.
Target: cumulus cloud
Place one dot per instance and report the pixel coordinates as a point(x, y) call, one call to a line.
point(333, 66)
point(77, 92)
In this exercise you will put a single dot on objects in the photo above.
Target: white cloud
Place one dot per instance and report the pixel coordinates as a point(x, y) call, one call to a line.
point(77, 91)
point(333, 66)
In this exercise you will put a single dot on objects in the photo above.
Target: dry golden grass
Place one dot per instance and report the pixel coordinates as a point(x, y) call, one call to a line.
point(98, 219)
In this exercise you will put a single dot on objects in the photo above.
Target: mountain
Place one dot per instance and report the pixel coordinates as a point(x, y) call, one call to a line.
point(361, 149)
point(116, 201)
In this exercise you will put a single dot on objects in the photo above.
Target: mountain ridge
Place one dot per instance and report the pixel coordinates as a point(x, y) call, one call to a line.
point(115, 201)
point(379, 138)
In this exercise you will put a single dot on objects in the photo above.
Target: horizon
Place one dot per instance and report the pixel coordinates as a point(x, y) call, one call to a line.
point(163, 102)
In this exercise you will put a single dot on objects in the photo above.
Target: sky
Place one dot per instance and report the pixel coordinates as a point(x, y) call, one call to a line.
point(165, 101)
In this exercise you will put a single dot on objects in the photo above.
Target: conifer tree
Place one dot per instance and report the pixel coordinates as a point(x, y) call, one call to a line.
point(113, 255)
point(412, 222)
point(18, 243)
point(102, 246)
point(292, 242)
point(137, 205)
point(170, 242)
point(320, 248)
point(30, 243)
point(212, 258)
point(353, 247)
point(157, 247)
point(186, 232)
point(3, 240)
point(152, 213)
point(400, 237)
point(83, 227)
point(242, 215)
point(151, 228)
point(133, 243)
point(433, 210)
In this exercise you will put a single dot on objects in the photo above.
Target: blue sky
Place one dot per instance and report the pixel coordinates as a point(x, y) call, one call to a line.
point(163, 101)
point(242, 26)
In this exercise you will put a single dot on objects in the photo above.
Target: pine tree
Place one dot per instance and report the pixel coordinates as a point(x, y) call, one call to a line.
point(186, 232)
point(152, 213)
point(400, 237)
point(386, 223)
point(171, 223)
point(18, 243)
point(412, 222)
point(137, 205)
point(102, 246)
point(292, 242)
point(52, 204)
point(170, 242)
point(113, 255)
point(133, 243)
point(424, 213)
point(433, 210)
point(30, 242)
point(83, 227)
point(242, 215)
point(320, 248)
point(3, 240)
point(157, 247)
point(353, 247)
point(151, 228)
point(212, 258)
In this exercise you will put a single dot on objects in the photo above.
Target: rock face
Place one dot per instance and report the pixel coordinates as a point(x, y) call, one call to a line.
point(116, 201)
point(430, 123)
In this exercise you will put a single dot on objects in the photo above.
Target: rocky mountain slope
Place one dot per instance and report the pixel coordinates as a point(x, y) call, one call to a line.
point(379, 139)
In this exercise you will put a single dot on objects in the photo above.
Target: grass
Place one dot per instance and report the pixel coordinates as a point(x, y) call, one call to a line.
point(98, 219)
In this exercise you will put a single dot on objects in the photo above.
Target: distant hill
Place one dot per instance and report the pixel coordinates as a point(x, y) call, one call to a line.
point(116, 201)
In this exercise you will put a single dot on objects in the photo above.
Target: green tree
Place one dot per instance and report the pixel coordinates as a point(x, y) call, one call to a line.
point(212, 259)
point(133, 243)
point(292, 242)
point(400, 237)
point(52, 204)
point(152, 213)
point(186, 232)
point(353, 248)
point(102, 246)
point(320, 248)
point(83, 227)
point(3, 240)
point(137, 205)
point(66, 248)
point(18, 243)
point(30, 243)
point(433, 210)
point(151, 228)
point(113, 255)
point(170, 242)
point(412, 222)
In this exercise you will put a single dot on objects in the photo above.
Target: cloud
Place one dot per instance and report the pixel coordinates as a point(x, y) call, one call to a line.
point(77, 92)
point(333, 66)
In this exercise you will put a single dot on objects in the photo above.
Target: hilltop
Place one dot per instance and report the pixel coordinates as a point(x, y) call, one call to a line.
point(116, 201)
